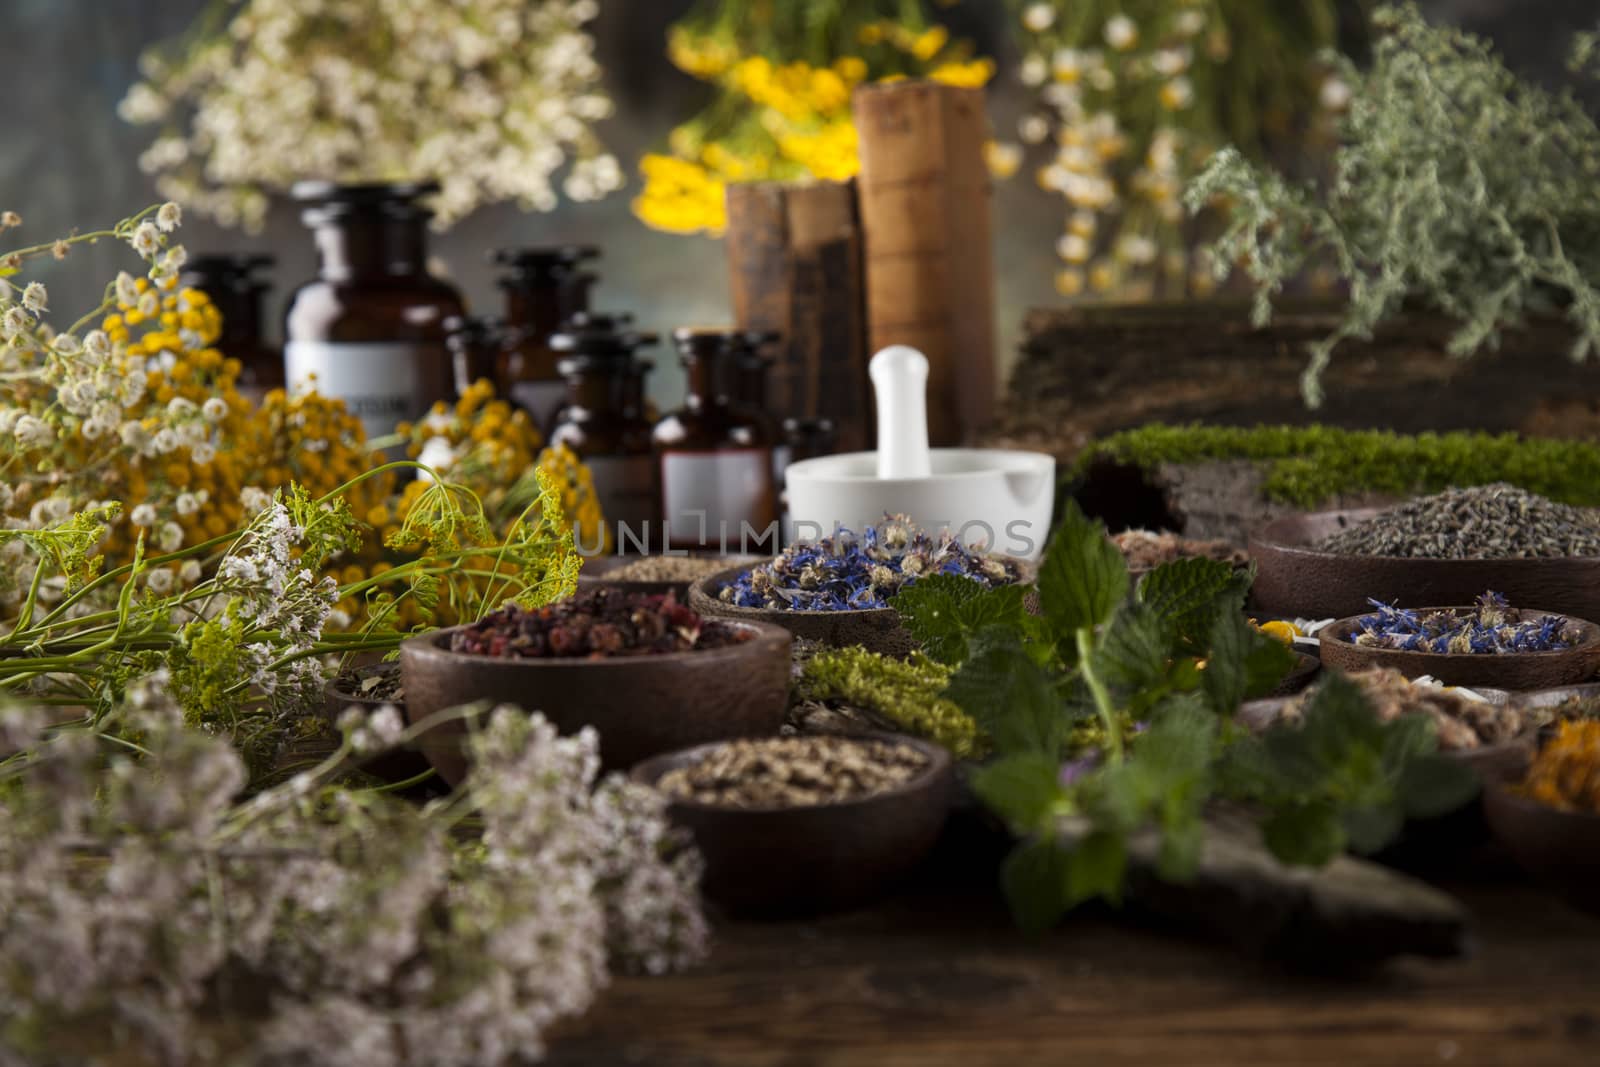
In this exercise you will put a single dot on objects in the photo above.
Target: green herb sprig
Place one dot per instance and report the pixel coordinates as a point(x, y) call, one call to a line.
point(1110, 711)
point(1457, 186)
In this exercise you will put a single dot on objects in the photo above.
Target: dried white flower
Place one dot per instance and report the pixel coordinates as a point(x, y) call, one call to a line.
point(127, 289)
point(143, 515)
point(169, 217)
point(146, 239)
point(1038, 17)
point(33, 432)
point(1121, 32)
point(215, 409)
point(34, 297)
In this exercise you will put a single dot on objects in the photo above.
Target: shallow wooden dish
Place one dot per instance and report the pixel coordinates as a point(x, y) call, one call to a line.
point(1515, 671)
point(875, 629)
point(1560, 848)
point(395, 765)
point(1295, 580)
point(597, 571)
point(640, 705)
point(777, 862)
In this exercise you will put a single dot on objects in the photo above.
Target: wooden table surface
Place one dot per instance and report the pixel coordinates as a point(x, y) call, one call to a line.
point(938, 976)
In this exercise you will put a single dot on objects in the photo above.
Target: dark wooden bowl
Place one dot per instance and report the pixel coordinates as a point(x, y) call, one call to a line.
point(640, 705)
point(1295, 580)
point(1560, 848)
point(395, 765)
point(875, 629)
point(779, 862)
point(1516, 671)
point(596, 572)
point(1444, 839)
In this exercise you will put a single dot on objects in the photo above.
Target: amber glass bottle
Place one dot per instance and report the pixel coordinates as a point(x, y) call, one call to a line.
point(543, 287)
point(234, 287)
point(474, 342)
point(371, 328)
point(602, 421)
point(716, 456)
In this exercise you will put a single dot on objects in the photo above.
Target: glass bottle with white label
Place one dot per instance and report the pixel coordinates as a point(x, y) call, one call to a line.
point(543, 287)
point(370, 330)
point(602, 423)
point(716, 456)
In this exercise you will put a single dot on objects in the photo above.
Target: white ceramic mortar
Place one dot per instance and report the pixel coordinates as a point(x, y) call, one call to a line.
point(1000, 499)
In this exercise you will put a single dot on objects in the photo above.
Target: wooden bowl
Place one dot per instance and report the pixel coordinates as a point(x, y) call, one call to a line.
point(1296, 580)
point(640, 705)
point(874, 629)
point(772, 862)
point(1511, 670)
point(1560, 848)
point(597, 572)
point(395, 765)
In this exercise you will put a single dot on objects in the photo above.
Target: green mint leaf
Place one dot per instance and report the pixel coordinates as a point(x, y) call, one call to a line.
point(1242, 663)
point(1188, 596)
point(1034, 880)
point(1433, 785)
point(1095, 867)
point(1013, 699)
point(945, 611)
point(1307, 835)
point(1370, 827)
point(1021, 788)
point(1132, 654)
point(1083, 577)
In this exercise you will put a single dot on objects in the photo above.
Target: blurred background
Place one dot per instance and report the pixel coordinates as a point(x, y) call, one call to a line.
point(68, 160)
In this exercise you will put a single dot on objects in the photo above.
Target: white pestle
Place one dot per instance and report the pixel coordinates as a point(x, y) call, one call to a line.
point(900, 381)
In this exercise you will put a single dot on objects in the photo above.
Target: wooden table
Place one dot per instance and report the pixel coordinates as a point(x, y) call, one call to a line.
point(940, 977)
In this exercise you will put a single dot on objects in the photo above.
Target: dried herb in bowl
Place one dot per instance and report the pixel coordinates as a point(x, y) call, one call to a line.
point(1145, 550)
point(598, 625)
point(847, 572)
point(1488, 629)
point(789, 772)
point(1496, 521)
point(1566, 772)
point(1462, 720)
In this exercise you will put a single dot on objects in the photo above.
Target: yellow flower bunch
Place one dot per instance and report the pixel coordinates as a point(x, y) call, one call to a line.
point(785, 115)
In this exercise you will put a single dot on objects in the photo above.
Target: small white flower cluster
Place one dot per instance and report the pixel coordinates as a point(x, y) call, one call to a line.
point(374, 934)
point(69, 402)
point(488, 97)
point(262, 582)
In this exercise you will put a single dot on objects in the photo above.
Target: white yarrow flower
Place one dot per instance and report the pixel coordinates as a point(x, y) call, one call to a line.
point(1121, 32)
point(34, 297)
point(33, 432)
point(146, 239)
point(143, 515)
point(159, 580)
point(169, 217)
point(1038, 17)
point(127, 289)
point(215, 409)
point(171, 537)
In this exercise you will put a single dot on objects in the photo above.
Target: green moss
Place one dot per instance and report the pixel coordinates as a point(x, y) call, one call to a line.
point(1307, 465)
point(905, 692)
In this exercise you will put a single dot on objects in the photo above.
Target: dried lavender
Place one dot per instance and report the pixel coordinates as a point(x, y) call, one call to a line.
point(137, 891)
point(1497, 521)
point(598, 625)
point(847, 572)
point(789, 772)
point(1491, 628)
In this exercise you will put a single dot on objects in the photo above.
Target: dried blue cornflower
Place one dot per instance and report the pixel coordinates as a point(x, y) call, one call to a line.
point(1488, 629)
point(851, 572)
